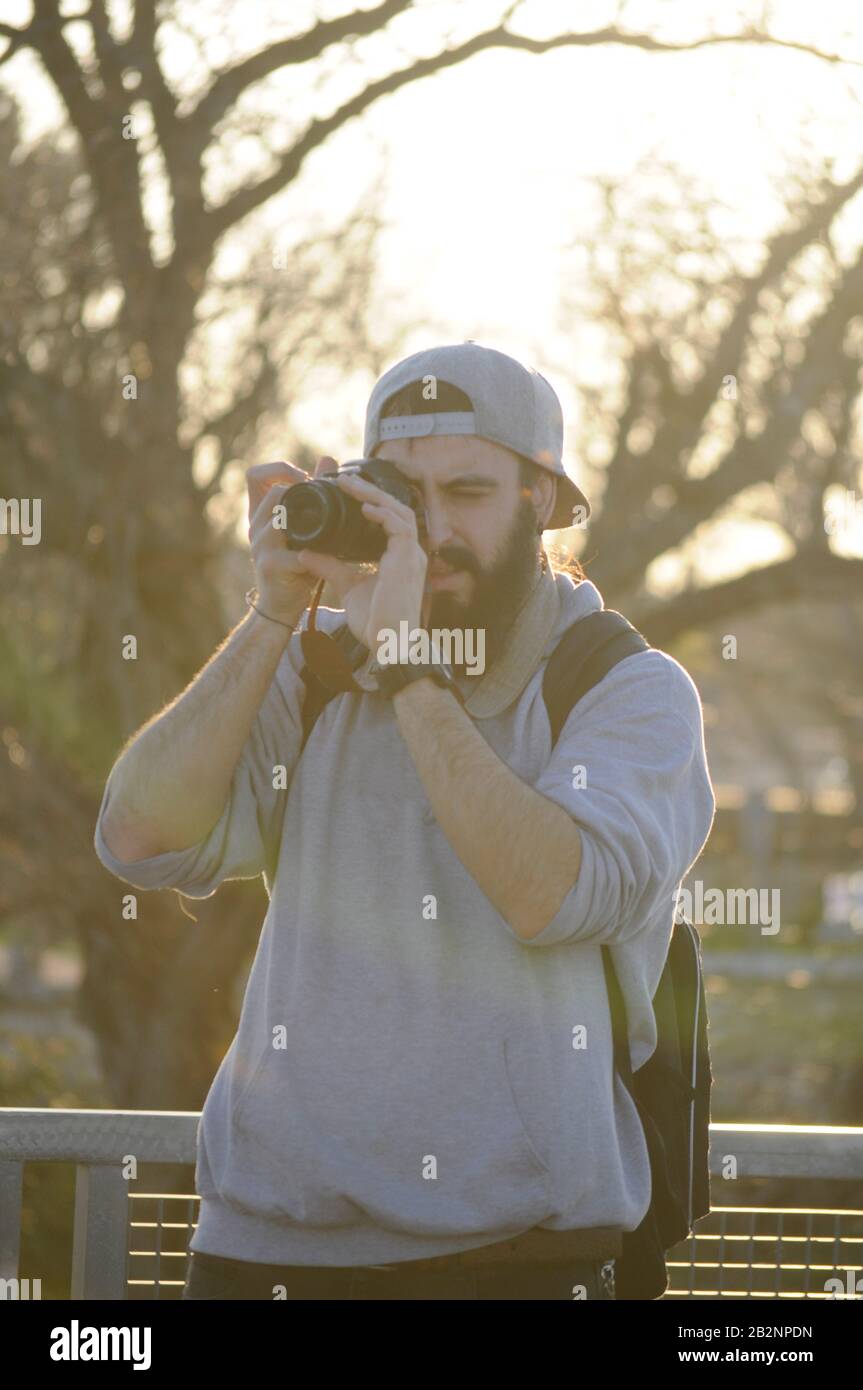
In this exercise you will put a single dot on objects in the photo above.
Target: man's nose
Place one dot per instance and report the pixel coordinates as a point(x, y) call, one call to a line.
point(438, 528)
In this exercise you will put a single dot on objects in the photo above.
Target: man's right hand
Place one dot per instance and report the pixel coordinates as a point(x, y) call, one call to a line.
point(283, 585)
point(171, 782)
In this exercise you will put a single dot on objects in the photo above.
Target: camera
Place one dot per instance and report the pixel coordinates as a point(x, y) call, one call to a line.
point(318, 515)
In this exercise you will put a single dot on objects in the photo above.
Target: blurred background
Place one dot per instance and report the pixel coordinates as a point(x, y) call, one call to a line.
point(220, 223)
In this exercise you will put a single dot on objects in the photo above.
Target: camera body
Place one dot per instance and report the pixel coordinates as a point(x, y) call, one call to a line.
point(320, 516)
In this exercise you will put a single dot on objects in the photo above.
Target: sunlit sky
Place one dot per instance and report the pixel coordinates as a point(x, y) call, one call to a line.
point(488, 169)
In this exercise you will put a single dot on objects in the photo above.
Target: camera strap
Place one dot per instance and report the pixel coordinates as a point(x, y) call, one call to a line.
point(332, 660)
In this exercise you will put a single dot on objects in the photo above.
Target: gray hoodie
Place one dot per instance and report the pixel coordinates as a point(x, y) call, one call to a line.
point(409, 1077)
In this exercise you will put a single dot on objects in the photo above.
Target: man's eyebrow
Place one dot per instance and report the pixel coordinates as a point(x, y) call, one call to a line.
point(471, 480)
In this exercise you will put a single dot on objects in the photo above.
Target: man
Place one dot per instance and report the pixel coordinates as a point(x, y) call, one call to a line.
point(419, 1101)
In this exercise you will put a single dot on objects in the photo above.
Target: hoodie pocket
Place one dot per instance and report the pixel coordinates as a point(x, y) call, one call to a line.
point(434, 1144)
point(540, 1164)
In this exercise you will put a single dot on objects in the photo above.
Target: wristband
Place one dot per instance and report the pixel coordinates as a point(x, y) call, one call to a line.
point(393, 677)
point(251, 602)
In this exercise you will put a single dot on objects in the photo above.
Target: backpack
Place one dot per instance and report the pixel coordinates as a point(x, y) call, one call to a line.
point(671, 1090)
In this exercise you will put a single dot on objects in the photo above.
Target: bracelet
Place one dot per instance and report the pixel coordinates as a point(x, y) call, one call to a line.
point(250, 601)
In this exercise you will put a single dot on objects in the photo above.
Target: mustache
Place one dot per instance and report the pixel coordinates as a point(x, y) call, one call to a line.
point(457, 557)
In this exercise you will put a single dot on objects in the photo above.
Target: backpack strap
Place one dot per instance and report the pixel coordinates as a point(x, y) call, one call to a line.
point(586, 652)
point(619, 1029)
point(686, 969)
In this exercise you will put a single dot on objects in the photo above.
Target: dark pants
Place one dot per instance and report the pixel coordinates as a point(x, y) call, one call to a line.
point(211, 1277)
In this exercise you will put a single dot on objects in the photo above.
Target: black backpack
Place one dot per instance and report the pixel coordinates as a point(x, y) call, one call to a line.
point(671, 1090)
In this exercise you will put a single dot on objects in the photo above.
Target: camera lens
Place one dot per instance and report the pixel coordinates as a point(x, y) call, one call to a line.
point(313, 512)
point(306, 515)
point(319, 516)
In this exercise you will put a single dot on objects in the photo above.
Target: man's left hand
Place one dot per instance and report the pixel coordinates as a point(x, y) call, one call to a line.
point(396, 592)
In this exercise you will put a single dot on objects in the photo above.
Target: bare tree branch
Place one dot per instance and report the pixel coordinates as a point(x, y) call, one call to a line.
point(18, 39)
point(107, 54)
point(246, 199)
point(111, 159)
point(811, 575)
point(755, 460)
point(231, 83)
point(184, 175)
point(683, 414)
point(240, 415)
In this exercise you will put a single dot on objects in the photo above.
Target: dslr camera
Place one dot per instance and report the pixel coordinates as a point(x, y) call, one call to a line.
point(318, 515)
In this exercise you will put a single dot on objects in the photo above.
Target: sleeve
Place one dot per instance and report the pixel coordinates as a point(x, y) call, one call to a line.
point(244, 841)
point(630, 767)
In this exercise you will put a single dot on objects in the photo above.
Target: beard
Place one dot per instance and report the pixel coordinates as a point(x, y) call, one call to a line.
point(500, 589)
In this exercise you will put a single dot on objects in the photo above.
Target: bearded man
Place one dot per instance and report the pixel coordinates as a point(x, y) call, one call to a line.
point(420, 1100)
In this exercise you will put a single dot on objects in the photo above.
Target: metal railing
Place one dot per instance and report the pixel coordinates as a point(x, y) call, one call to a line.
point(770, 1253)
point(130, 1244)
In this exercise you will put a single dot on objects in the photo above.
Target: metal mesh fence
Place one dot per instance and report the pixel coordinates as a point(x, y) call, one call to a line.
point(768, 1253)
point(734, 1252)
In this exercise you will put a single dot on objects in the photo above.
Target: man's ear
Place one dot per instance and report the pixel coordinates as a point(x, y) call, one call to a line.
point(544, 497)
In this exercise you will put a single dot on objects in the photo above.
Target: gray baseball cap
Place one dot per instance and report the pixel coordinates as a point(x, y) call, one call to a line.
point(513, 405)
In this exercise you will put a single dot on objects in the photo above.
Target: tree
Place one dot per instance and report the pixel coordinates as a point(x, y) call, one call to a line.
point(736, 393)
point(106, 298)
point(128, 548)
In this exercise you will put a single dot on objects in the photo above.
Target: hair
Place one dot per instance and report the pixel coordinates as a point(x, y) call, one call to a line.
point(411, 401)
